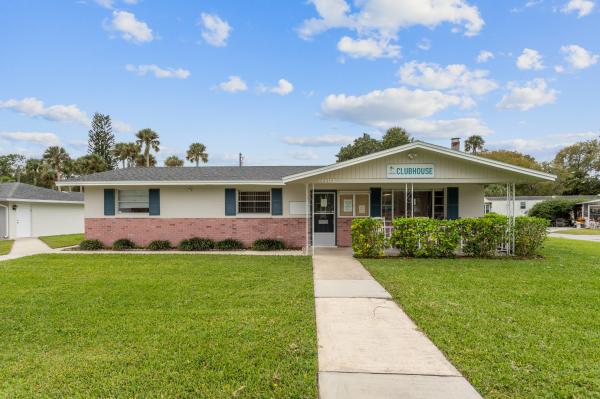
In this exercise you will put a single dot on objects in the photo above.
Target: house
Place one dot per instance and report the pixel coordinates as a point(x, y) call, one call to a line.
point(523, 203)
point(590, 212)
point(30, 211)
point(251, 202)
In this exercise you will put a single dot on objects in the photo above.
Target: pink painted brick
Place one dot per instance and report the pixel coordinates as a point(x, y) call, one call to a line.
point(144, 230)
point(344, 232)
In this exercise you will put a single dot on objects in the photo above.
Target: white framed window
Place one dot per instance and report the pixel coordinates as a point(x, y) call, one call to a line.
point(254, 201)
point(354, 204)
point(523, 205)
point(133, 201)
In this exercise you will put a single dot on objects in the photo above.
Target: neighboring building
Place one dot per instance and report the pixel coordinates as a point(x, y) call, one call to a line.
point(590, 212)
point(30, 211)
point(523, 204)
point(251, 202)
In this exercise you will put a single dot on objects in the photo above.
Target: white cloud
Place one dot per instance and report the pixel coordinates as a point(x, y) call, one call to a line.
point(283, 88)
point(304, 155)
point(233, 84)
point(559, 69)
point(424, 44)
point(578, 57)
point(122, 127)
point(158, 72)
point(443, 128)
point(31, 106)
point(484, 56)
point(582, 7)
point(534, 93)
point(325, 140)
point(105, 3)
point(530, 59)
point(130, 28)
point(383, 108)
point(387, 17)
point(45, 139)
point(456, 77)
point(215, 31)
point(368, 48)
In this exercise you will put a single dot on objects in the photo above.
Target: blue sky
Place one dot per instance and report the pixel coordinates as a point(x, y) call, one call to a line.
point(289, 82)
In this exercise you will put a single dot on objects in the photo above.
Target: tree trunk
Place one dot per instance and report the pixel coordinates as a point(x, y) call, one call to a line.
point(197, 162)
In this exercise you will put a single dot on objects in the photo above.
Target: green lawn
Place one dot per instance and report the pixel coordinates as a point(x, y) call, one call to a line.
point(65, 240)
point(157, 326)
point(590, 232)
point(5, 246)
point(515, 328)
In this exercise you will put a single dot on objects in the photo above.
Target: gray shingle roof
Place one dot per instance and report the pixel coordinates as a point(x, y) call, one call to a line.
point(195, 174)
point(14, 191)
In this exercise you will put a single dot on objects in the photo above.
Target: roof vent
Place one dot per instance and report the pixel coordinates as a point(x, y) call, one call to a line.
point(455, 143)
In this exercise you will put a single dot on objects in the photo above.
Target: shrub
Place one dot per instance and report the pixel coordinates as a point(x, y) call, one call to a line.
point(123, 243)
point(90, 245)
point(368, 238)
point(424, 237)
point(267, 244)
point(229, 244)
point(530, 233)
point(159, 245)
point(482, 236)
point(197, 244)
point(553, 209)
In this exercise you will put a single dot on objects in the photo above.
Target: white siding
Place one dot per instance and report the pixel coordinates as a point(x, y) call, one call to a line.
point(55, 219)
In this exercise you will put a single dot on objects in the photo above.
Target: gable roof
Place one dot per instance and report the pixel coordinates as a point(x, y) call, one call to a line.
point(27, 192)
point(426, 146)
point(191, 175)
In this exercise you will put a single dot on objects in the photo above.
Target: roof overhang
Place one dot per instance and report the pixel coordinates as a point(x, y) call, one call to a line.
point(171, 183)
point(41, 201)
point(530, 173)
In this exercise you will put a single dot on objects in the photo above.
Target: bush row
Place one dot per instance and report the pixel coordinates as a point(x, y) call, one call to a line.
point(190, 244)
point(428, 238)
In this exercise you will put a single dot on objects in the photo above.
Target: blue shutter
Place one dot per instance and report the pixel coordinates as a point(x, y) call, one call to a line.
point(230, 202)
point(109, 202)
point(154, 202)
point(452, 203)
point(375, 202)
point(276, 202)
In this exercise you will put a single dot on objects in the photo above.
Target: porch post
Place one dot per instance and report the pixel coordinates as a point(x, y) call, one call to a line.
point(412, 200)
point(513, 220)
point(312, 220)
point(307, 215)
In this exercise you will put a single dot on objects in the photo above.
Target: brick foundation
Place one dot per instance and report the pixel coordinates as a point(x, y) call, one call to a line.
point(344, 232)
point(144, 230)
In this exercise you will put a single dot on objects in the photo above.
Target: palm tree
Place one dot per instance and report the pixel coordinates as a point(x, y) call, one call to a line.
point(148, 139)
point(56, 157)
point(120, 151)
point(174, 162)
point(88, 164)
point(196, 153)
point(33, 169)
point(474, 144)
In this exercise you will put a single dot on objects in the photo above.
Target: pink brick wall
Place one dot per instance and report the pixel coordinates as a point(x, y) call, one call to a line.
point(143, 230)
point(344, 232)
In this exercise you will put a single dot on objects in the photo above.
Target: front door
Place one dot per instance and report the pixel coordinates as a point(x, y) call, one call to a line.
point(324, 219)
point(23, 219)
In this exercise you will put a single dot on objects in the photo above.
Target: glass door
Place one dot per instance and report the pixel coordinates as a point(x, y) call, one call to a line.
point(324, 219)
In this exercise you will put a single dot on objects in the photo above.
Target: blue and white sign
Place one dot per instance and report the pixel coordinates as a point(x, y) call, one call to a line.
point(411, 171)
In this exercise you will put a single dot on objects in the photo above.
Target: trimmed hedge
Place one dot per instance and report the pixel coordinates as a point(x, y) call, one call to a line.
point(197, 244)
point(268, 244)
point(425, 237)
point(554, 209)
point(530, 233)
point(90, 245)
point(160, 245)
point(230, 244)
point(482, 236)
point(123, 244)
point(368, 238)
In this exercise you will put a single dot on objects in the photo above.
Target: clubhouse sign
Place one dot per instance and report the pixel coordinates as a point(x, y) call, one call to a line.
point(411, 171)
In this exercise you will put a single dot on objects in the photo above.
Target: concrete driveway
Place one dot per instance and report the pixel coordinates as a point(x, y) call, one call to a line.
point(368, 347)
point(25, 247)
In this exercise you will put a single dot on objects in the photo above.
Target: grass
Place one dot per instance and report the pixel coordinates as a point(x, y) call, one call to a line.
point(157, 326)
point(578, 232)
point(65, 240)
point(5, 246)
point(515, 328)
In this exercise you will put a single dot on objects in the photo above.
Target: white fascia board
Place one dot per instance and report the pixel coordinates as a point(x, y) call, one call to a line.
point(172, 183)
point(43, 201)
point(426, 146)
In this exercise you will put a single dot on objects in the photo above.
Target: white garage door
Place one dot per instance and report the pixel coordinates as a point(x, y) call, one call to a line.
point(23, 220)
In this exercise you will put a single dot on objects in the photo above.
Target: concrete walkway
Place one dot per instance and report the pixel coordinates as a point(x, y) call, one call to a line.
point(25, 247)
point(368, 347)
point(583, 237)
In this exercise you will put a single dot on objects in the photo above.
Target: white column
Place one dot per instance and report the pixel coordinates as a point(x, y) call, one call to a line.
point(307, 212)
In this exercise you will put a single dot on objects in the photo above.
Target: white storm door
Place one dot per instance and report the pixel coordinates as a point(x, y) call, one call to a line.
point(23, 221)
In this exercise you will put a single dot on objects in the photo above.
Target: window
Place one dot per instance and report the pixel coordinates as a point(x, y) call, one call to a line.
point(133, 201)
point(254, 201)
point(523, 205)
point(354, 205)
point(487, 207)
point(415, 203)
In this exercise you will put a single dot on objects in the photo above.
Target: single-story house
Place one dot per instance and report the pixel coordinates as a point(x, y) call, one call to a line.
point(30, 211)
point(590, 212)
point(302, 205)
point(523, 203)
